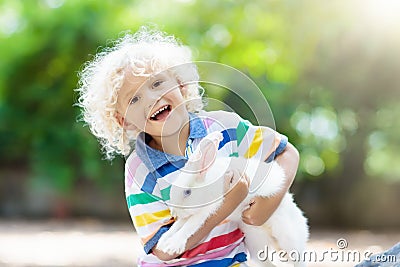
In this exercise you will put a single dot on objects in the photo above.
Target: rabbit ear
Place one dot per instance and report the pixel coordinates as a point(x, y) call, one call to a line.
point(205, 153)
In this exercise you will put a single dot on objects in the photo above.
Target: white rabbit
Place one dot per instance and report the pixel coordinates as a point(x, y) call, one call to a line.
point(198, 192)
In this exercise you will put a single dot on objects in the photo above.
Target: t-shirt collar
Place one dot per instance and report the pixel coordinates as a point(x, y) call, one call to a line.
point(153, 158)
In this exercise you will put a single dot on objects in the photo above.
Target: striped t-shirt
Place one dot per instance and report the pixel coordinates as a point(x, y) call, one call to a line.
point(147, 194)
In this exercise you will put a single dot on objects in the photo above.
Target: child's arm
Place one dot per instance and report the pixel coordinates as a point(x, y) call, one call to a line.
point(258, 142)
point(231, 200)
point(262, 208)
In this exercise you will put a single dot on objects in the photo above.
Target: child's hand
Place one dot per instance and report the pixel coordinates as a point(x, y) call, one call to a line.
point(236, 186)
point(255, 214)
point(262, 208)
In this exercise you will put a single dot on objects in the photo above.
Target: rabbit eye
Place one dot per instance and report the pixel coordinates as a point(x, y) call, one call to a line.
point(187, 192)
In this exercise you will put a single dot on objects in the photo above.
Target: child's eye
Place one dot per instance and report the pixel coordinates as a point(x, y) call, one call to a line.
point(134, 100)
point(157, 83)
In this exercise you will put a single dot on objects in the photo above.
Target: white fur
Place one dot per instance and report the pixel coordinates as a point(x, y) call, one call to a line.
point(285, 230)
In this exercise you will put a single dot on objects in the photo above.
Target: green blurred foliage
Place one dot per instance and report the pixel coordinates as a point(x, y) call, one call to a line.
point(328, 69)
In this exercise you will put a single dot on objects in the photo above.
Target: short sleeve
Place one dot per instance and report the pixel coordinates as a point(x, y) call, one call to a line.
point(150, 215)
point(259, 142)
point(281, 147)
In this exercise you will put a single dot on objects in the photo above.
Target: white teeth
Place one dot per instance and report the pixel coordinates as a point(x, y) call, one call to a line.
point(158, 111)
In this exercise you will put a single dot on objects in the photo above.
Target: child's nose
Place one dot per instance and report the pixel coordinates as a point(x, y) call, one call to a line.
point(152, 95)
point(152, 101)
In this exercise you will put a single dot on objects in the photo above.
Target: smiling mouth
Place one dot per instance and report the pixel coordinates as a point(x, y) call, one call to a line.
point(161, 113)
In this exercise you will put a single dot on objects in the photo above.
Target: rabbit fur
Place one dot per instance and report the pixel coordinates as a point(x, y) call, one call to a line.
point(198, 192)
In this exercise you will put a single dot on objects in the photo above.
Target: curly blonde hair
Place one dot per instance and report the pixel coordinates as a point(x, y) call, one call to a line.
point(145, 52)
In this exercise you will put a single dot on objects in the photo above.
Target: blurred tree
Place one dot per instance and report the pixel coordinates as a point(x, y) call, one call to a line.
point(41, 55)
point(329, 71)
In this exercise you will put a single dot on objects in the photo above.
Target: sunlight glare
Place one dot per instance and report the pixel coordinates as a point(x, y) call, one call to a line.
point(383, 13)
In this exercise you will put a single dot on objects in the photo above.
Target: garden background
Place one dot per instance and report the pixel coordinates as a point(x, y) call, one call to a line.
point(329, 70)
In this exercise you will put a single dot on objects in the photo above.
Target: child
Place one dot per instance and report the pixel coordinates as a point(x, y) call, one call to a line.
point(137, 91)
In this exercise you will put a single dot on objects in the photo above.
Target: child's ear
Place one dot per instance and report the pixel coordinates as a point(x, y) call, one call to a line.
point(120, 119)
point(123, 123)
point(182, 86)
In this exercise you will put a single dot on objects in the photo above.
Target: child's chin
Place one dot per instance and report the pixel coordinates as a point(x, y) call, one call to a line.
point(173, 124)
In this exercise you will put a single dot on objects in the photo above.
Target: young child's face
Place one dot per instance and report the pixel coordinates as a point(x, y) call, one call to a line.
point(152, 104)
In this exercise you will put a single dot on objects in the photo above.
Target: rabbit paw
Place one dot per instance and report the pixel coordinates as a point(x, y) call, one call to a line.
point(172, 245)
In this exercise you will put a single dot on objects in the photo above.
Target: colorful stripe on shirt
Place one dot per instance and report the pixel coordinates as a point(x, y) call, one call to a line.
point(146, 194)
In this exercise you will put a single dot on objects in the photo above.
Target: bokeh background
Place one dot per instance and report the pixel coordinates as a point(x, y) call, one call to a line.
point(330, 71)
